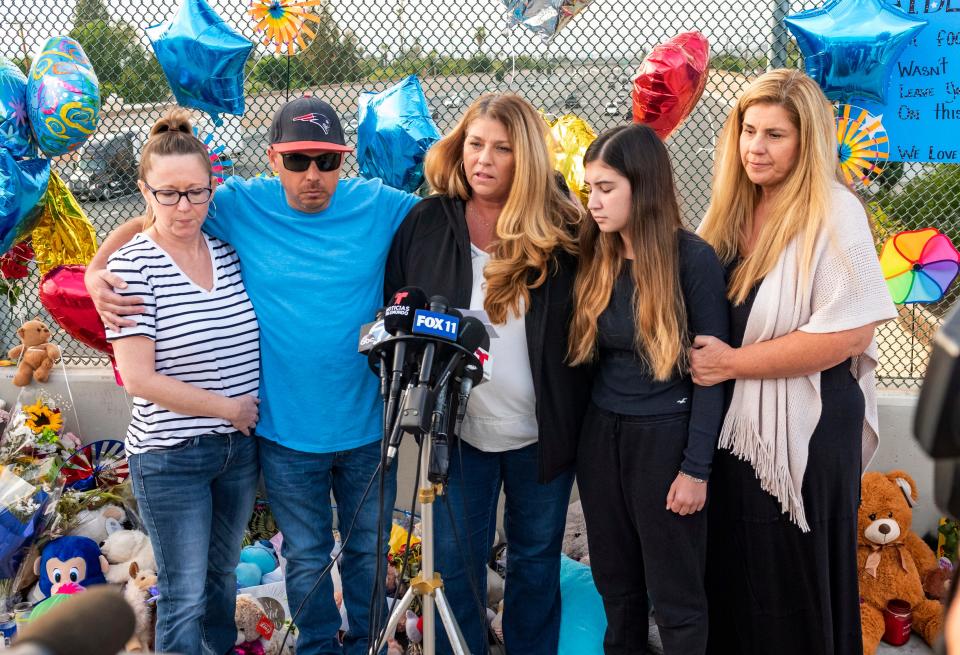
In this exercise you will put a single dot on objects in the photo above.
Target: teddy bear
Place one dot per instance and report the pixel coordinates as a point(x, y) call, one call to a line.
point(99, 523)
point(140, 594)
point(123, 547)
point(37, 356)
point(256, 633)
point(892, 560)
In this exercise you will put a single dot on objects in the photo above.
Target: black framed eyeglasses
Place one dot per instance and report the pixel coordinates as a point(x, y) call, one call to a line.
point(297, 162)
point(171, 197)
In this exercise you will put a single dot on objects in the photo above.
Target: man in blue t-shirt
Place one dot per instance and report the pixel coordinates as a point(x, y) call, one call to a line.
point(312, 248)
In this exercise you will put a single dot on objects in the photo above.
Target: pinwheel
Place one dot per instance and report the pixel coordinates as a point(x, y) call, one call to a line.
point(863, 144)
point(919, 265)
point(283, 22)
point(220, 164)
point(99, 464)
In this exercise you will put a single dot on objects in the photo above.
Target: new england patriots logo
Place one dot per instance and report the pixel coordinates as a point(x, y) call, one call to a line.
point(319, 120)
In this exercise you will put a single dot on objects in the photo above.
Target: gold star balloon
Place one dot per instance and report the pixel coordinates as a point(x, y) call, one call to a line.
point(284, 22)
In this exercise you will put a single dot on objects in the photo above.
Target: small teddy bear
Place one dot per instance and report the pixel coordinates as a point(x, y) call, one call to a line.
point(256, 633)
point(892, 560)
point(139, 592)
point(37, 356)
point(123, 547)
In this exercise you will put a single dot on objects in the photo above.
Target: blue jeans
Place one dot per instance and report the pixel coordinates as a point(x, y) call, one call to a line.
point(298, 487)
point(195, 500)
point(534, 520)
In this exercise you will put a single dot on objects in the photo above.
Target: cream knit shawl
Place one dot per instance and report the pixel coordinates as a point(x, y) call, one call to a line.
point(770, 422)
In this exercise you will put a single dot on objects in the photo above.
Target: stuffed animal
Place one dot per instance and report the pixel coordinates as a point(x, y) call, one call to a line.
point(140, 594)
point(575, 534)
point(256, 633)
point(892, 560)
point(100, 523)
point(124, 547)
point(36, 355)
point(68, 562)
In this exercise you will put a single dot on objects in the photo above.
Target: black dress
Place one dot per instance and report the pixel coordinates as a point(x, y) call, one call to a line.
point(770, 587)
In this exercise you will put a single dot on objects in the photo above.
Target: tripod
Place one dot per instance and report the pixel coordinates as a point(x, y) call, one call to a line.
point(428, 584)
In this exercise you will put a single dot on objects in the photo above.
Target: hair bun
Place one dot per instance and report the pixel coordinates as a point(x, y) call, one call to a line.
point(175, 119)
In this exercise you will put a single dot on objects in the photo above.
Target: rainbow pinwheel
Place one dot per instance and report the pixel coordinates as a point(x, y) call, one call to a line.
point(220, 164)
point(100, 464)
point(863, 144)
point(919, 265)
point(283, 22)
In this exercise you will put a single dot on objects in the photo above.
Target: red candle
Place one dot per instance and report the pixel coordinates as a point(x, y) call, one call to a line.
point(897, 619)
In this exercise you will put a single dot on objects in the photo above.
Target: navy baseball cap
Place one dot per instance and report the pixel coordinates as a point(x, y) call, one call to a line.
point(307, 123)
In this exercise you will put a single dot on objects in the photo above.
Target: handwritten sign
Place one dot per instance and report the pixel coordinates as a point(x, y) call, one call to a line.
point(922, 112)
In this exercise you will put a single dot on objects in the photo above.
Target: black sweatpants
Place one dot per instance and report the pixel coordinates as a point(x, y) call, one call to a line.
point(625, 466)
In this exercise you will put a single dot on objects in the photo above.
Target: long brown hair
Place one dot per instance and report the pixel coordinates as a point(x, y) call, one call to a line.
point(800, 206)
point(537, 216)
point(172, 134)
point(660, 314)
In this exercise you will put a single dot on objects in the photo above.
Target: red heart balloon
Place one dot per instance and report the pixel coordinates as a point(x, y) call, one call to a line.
point(63, 294)
point(669, 82)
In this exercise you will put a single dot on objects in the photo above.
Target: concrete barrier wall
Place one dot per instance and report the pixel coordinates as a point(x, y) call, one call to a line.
point(103, 409)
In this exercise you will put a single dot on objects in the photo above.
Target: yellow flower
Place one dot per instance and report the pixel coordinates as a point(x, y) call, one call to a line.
point(39, 416)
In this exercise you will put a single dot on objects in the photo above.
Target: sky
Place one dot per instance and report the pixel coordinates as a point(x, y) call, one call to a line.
point(618, 29)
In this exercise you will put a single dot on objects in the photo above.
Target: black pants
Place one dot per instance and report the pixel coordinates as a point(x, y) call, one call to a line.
point(625, 466)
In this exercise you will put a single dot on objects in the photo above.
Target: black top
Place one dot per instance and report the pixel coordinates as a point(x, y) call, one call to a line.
point(624, 383)
point(839, 375)
point(431, 250)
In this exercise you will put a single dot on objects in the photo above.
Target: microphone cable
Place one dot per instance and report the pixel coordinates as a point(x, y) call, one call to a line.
point(333, 560)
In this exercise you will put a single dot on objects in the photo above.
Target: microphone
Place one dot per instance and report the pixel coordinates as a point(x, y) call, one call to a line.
point(67, 629)
point(398, 321)
point(471, 335)
point(438, 305)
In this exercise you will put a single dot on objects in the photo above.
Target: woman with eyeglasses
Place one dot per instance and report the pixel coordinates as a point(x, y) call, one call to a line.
point(191, 360)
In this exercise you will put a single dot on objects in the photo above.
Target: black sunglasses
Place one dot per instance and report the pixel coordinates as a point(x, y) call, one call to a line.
point(298, 162)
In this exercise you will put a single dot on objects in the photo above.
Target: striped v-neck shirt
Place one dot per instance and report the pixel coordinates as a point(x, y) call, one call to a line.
point(206, 338)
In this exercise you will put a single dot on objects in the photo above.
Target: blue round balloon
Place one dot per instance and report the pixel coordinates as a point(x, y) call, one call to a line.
point(15, 135)
point(23, 184)
point(63, 97)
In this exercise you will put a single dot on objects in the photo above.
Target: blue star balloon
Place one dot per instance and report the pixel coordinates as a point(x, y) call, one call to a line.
point(15, 133)
point(22, 185)
point(202, 58)
point(394, 132)
point(850, 46)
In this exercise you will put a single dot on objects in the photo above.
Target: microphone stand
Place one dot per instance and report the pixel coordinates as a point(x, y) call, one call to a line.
point(428, 584)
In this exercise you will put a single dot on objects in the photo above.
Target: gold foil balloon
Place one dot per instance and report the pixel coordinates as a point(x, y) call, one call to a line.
point(572, 136)
point(64, 235)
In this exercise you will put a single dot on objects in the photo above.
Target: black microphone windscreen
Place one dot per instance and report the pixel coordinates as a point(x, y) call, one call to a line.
point(473, 334)
point(439, 304)
point(97, 621)
point(398, 315)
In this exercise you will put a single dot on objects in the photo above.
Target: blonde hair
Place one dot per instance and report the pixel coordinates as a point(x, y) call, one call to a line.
point(800, 207)
point(660, 315)
point(171, 134)
point(537, 216)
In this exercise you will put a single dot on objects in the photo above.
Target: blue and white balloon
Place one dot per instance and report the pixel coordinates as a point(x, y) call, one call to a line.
point(22, 185)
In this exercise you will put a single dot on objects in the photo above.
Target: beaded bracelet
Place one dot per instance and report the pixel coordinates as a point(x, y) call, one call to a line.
point(690, 477)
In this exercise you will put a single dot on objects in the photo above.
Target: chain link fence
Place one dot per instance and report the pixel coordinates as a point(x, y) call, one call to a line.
point(459, 50)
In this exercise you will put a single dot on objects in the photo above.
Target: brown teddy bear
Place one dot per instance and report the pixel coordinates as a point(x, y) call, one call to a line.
point(38, 357)
point(892, 560)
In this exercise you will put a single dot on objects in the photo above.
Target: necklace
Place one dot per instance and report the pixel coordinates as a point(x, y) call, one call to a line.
point(473, 213)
